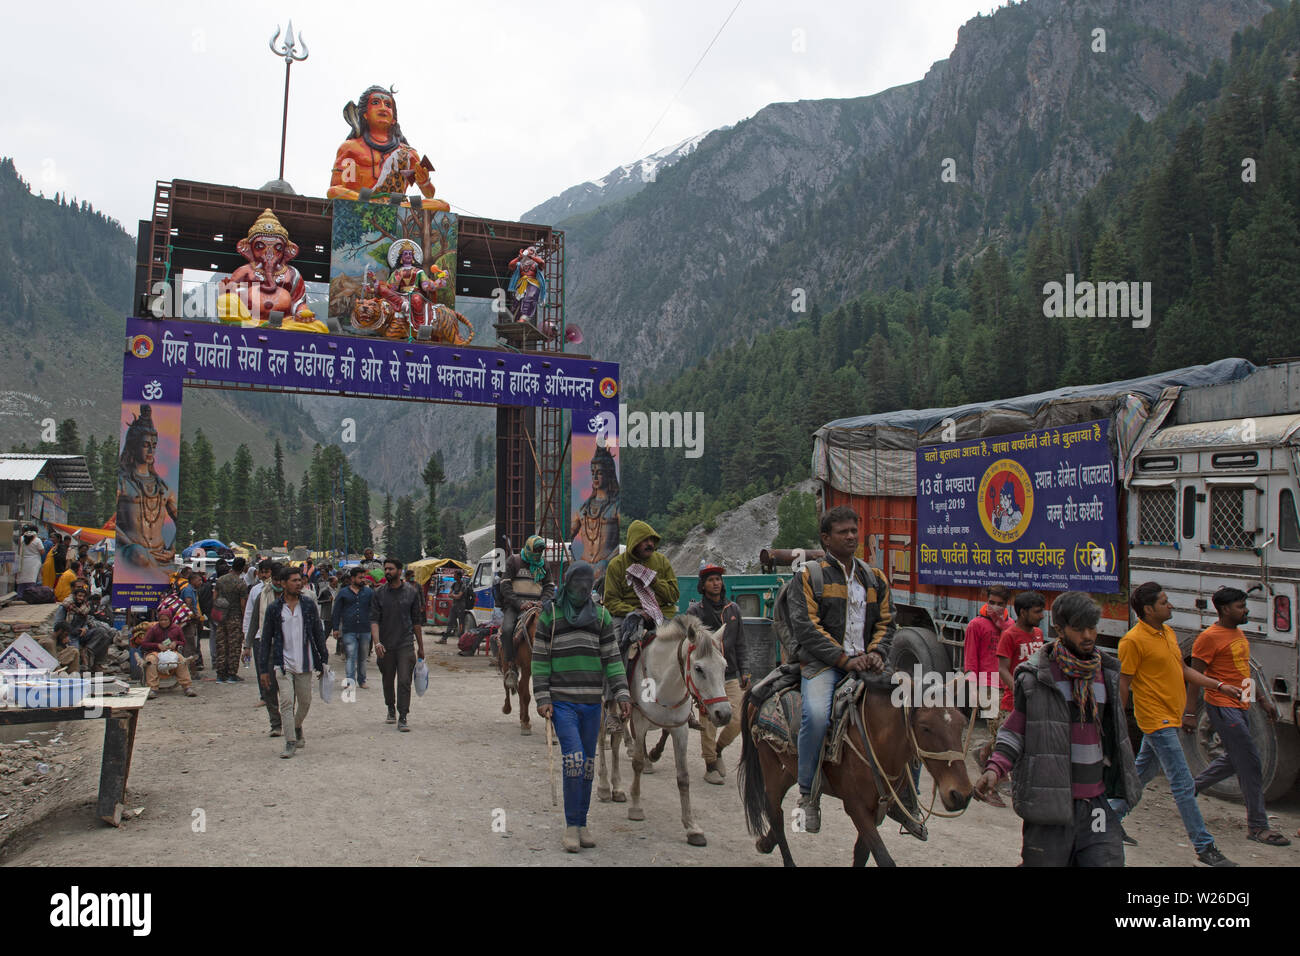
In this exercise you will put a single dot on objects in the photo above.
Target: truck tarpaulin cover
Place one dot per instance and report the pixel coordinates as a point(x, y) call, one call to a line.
point(876, 454)
point(1030, 510)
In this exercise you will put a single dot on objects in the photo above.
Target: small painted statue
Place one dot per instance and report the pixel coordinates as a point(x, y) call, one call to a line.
point(527, 284)
point(410, 290)
point(376, 162)
point(268, 283)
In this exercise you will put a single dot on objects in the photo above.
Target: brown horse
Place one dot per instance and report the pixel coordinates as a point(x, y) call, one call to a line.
point(524, 663)
point(898, 736)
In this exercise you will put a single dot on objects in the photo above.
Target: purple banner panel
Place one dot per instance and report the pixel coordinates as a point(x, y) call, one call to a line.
point(147, 489)
point(222, 354)
point(1033, 510)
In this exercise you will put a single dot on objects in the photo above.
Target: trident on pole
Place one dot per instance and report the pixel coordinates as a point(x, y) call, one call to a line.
point(290, 54)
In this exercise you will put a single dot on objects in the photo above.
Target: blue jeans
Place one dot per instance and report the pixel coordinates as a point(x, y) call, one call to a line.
point(1162, 751)
point(357, 645)
point(1241, 757)
point(577, 726)
point(818, 693)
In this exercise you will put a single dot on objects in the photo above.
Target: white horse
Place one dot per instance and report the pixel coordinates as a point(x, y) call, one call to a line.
point(682, 664)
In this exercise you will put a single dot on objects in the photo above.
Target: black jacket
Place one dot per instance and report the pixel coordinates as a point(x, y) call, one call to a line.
point(271, 650)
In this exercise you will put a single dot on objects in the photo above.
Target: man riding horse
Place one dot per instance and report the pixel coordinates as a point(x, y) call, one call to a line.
point(525, 583)
point(846, 625)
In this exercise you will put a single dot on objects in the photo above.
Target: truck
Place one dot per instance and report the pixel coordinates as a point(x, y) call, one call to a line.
point(1205, 464)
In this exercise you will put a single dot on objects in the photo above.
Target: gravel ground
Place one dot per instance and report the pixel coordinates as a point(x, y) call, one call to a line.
point(213, 791)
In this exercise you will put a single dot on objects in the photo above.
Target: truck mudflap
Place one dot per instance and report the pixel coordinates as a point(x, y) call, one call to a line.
point(1278, 745)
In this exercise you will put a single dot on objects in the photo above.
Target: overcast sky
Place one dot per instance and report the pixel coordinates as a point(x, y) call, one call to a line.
point(512, 102)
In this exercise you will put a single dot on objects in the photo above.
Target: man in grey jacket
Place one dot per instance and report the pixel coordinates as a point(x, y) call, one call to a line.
point(1067, 741)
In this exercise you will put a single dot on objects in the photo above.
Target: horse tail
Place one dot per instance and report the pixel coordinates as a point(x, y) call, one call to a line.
point(753, 789)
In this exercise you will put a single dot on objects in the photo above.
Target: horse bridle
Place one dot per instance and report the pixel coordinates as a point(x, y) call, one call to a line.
point(691, 689)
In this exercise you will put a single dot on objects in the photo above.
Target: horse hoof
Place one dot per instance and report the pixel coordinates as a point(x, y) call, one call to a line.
point(648, 768)
point(696, 839)
point(635, 813)
point(620, 796)
point(602, 795)
point(762, 846)
point(525, 731)
point(506, 708)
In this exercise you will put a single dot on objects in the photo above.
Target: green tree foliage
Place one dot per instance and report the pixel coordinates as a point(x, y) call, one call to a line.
point(389, 542)
point(796, 521)
point(433, 475)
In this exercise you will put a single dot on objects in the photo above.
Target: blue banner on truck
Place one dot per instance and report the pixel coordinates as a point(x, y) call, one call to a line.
point(1032, 510)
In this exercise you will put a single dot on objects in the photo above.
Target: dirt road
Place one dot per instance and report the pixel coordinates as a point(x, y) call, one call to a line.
point(214, 792)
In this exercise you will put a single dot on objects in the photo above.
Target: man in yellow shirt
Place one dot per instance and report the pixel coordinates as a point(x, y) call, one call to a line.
point(63, 586)
point(1151, 664)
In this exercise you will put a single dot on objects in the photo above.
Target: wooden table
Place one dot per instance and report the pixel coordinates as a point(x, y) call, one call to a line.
point(120, 715)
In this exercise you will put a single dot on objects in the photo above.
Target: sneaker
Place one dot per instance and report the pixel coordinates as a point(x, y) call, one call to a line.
point(812, 813)
point(1211, 856)
point(151, 695)
point(235, 679)
point(298, 741)
point(401, 724)
point(392, 716)
point(585, 839)
point(276, 732)
point(191, 692)
point(714, 775)
point(288, 749)
point(1123, 835)
point(909, 826)
point(363, 686)
point(571, 840)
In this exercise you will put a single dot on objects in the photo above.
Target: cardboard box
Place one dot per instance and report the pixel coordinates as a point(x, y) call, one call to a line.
point(25, 654)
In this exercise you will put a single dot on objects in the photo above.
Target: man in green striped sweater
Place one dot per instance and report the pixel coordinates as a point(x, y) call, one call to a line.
point(574, 657)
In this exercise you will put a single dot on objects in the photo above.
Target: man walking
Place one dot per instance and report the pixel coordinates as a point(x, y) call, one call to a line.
point(229, 598)
point(351, 623)
point(1067, 742)
point(1152, 665)
point(263, 594)
point(723, 618)
point(293, 645)
point(457, 593)
point(396, 619)
point(1222, 652)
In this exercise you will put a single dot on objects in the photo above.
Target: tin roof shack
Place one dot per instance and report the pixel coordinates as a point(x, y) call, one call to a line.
point(32, 490)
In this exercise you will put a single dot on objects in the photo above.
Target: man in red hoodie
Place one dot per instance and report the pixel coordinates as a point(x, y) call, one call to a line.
point(981, 651)
point(165, 636)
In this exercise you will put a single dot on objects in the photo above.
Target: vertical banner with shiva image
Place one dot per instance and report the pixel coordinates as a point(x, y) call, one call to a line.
point(147, 489)
point(594, 467)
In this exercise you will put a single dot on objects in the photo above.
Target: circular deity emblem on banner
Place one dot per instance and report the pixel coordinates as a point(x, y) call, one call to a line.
point(1006, 501)
point(608, 387)
point(141, 346)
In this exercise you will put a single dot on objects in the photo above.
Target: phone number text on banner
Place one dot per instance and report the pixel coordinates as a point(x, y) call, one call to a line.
point(1032, 510)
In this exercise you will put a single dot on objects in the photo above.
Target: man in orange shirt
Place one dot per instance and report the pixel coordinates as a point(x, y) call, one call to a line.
point(1222, 652)
point(1152, 665)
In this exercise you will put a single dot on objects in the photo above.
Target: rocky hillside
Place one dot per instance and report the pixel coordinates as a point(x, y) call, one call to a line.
point(834, 196)
point(734, 538)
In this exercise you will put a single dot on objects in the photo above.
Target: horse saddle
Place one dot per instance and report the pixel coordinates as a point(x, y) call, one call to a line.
point(780, 714)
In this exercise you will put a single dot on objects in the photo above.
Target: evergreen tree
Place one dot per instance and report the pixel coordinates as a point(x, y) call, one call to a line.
point(433, 475)
point(797, 521)
point(389, 535)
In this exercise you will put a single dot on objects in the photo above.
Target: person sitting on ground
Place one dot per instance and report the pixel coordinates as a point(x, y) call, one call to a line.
point(63, 586)
point(165, 636)
point(65, 649)
point(92, 636)
point(1063, 777)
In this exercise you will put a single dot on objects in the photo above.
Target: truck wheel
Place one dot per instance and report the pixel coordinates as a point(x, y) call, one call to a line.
point(1278, 746)
point(914, 645)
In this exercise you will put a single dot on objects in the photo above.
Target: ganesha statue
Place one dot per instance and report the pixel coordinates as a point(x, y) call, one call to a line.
point(267, 282)
point(377, 163)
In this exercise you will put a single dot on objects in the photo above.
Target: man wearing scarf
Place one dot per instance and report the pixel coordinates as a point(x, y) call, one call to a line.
point(640, 580)
point(526, 581)
point(723, 617)
point(1067, 741)
point(575, 657)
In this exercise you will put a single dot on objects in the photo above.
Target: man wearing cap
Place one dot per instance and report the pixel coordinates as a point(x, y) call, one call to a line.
point(723, 618)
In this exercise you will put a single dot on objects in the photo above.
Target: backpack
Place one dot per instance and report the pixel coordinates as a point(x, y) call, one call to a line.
point(470, 598)
point(781, 611)
point(205, 598)
point(39, 594)
point(469, 641)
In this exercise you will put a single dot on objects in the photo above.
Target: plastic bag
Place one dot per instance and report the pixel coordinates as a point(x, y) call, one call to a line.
point(327, 685)
point(421, 677)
